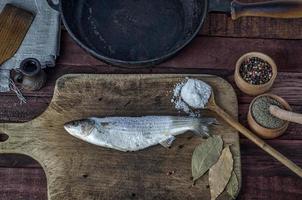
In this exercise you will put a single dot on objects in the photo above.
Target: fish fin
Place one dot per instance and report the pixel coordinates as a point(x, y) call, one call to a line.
point(201, 126)
point(168, 142)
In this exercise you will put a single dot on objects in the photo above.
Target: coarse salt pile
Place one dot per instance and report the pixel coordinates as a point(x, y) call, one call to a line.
point(190, 95)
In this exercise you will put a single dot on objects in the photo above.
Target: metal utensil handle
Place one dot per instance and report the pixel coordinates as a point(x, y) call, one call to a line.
point(275, 9)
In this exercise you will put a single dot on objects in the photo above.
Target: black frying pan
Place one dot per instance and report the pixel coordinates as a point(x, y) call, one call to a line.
point(147, 32)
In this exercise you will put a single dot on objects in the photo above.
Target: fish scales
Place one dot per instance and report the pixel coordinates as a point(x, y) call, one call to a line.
point(135, 133)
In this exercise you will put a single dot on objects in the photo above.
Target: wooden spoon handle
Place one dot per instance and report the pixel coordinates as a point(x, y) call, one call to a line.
point(275, 9)
point(263, 145)
point(285, 114)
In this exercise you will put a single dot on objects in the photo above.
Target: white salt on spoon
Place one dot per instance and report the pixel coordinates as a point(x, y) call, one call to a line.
point(196, 93)
point(191, 95)
point(199, 95)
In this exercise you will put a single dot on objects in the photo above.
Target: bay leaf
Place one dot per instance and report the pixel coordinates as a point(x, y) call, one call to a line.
point(205, 156)
point(233, 186)
point(224, 196)
point(220, 173)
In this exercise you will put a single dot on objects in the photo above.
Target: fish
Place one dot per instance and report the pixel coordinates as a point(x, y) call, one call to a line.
point(129, 134)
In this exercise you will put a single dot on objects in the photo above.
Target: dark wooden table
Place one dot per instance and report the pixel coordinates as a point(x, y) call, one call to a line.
point(216, 49)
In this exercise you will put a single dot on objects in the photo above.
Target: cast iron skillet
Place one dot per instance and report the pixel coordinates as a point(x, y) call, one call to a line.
point(136, 33)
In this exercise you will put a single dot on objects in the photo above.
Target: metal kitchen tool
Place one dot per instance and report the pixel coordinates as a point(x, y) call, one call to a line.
point(144, 33)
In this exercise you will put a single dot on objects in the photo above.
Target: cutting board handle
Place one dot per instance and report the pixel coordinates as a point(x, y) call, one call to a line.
point(12, 139)
point(276, 9)
point(4, 138)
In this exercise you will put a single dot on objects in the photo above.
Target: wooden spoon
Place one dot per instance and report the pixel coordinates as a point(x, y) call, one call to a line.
point(247, 133)
point(285, 114)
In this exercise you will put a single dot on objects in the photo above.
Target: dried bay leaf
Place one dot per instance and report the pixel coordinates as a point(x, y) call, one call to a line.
point(205, 156)
point(220, 173)
point(233, 186)
point(224, 196)
point(232, 189)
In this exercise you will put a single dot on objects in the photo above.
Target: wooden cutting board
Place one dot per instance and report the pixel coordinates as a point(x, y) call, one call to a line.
point(77, 170)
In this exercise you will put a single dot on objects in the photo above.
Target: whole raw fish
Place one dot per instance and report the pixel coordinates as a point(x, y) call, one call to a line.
point(135, 133)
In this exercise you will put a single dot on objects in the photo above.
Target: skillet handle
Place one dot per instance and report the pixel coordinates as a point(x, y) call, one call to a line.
point(53, 5)
point(285, 9)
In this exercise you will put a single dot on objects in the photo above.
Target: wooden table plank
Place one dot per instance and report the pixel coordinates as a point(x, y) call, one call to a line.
point(221, 25)
point(287, 85)
point(252, 27)
point(215, 51)
point(11, 110)
point(22, 184)
point(18, 161)
point(263, 177)
point(206, 52)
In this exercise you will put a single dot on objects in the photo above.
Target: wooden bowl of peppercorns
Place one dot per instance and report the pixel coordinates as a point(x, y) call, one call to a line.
point(255, 73)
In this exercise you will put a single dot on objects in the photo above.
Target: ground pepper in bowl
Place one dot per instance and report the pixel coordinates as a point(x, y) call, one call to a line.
point(262, 115)
point(256, 71)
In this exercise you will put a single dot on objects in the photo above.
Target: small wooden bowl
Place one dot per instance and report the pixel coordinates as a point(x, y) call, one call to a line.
point(251, 89)
point(267, 133)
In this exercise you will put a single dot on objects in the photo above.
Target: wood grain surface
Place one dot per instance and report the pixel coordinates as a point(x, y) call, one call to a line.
point(78, 170)
point(289, 9)
point(14, 24)
point(220, 43)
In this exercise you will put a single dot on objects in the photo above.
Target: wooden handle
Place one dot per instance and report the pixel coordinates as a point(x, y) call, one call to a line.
point(275, 9)
point(247, 133)
point(285, 114)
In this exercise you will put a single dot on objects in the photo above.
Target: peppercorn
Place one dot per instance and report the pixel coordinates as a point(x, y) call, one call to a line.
point(256, 71)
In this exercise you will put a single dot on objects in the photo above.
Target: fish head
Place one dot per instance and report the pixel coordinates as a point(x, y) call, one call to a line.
point(81, 128)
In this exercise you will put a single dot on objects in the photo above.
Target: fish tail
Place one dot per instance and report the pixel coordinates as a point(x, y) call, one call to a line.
point(201, 126)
